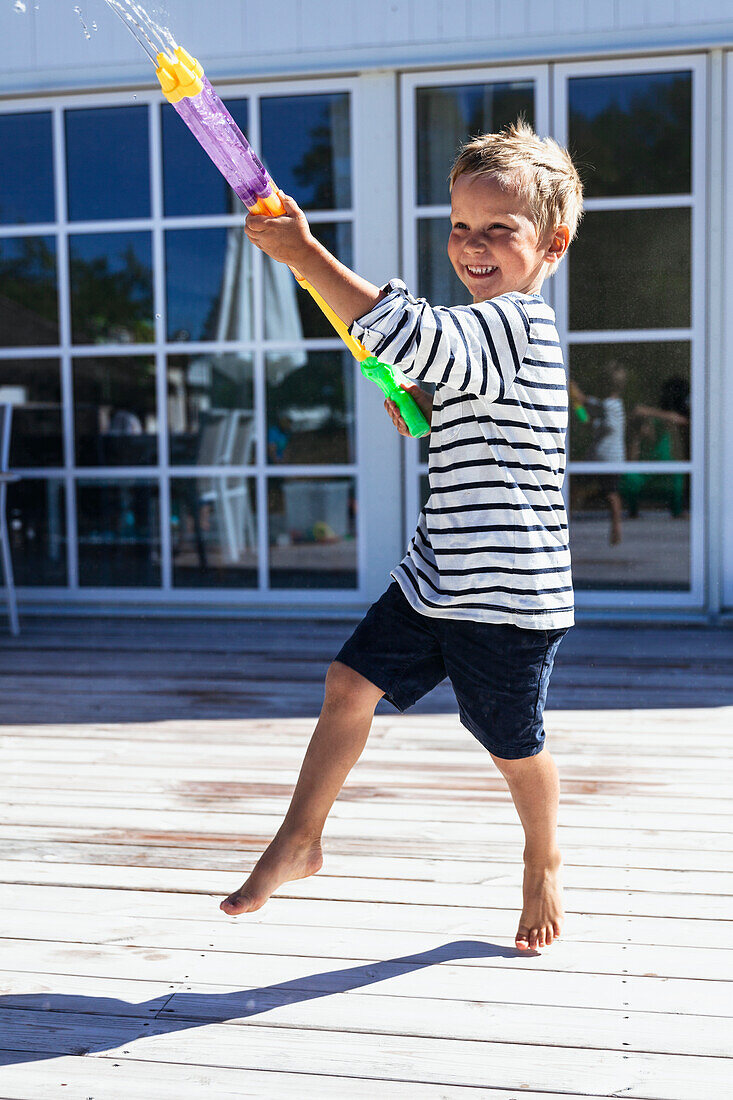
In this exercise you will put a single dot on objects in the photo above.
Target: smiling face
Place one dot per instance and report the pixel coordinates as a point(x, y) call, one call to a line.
point(493, 245)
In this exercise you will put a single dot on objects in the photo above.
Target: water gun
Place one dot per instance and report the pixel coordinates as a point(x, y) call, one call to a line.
point(186, 87)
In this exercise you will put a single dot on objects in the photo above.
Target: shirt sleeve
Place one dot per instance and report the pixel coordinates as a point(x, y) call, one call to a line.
point(475, 349)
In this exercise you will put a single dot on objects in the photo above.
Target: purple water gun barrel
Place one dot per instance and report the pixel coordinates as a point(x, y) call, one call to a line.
point(216, 131)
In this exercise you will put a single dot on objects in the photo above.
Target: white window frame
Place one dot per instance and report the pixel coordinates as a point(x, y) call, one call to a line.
point(694, 597)
point(370, 433)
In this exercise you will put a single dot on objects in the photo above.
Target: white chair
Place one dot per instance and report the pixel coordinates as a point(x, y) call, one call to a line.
point(6, 420)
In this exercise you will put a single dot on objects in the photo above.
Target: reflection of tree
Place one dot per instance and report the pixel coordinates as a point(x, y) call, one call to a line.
point(106, 302)
point(315, 168)
point(29, 277)
point(325, 167)
point(642, 147)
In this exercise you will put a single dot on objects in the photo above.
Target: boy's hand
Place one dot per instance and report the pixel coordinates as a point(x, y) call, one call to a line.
point(287, 238)
point(423, 400)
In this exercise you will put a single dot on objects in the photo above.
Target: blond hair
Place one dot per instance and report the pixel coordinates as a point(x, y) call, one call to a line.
point(540, 172)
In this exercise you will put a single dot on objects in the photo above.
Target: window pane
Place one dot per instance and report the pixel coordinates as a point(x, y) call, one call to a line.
point(36, 514)
point(306, 147)
point(33, 388)
point(214, 532)
point(630, 531)
point(312, 532)
point(437, 281)
point(643, 279)
point(115, 417)
point(446, 117)
point(290, 312)
point(111, 288)
point(310, 408)
point(107, 163)
point(184, 160)
point(26, 181)
point(632, 402)
point(211, 416)
point(631, 134)
point(209, 284)
point(29, 310)
point(118, 533)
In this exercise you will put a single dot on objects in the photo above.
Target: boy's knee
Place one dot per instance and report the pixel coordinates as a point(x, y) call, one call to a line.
point(346, 687)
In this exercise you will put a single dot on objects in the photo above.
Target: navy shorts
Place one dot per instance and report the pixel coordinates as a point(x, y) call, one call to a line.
point(499, 672)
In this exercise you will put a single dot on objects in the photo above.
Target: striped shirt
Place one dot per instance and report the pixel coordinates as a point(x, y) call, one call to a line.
point(491, 543)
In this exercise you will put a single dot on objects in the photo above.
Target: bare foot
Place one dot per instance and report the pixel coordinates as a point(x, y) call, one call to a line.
point(541, 919)
point(286, 858)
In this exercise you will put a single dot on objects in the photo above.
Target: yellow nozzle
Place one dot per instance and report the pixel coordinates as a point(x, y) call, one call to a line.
point(179, 79)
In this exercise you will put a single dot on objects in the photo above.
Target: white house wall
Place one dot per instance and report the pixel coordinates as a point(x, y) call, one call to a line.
point(47, 48)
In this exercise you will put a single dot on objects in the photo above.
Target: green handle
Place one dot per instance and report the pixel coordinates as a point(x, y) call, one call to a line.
point(384, 377)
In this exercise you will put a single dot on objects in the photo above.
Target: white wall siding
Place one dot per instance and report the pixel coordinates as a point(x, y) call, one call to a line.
point(46, 48)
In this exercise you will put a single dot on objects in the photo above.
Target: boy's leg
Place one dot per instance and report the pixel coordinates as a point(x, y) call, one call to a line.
point(336, 745)
point(535, 789)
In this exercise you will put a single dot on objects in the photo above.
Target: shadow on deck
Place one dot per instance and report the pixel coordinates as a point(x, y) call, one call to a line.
point(79, 670)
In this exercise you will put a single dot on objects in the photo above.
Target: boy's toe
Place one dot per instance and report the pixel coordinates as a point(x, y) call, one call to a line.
point(522, 939)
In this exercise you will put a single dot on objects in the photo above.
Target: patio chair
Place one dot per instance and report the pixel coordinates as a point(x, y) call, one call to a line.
point(6, 419)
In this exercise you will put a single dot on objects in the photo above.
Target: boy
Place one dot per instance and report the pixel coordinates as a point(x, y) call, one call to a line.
point(484, 594)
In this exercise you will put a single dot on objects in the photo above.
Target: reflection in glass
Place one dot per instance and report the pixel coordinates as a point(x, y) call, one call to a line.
point(107, 163)
point(214, 532)
point(209, 284)
point(306, 147)
point(115, 414)
point(118, 533)
point(184, 160)
point(424, 491)
point(448, 116)
point(29, 310)
point(111, 288)
point(33, 388)
point(26, 181)
point(211, 415)
point(632, 401)
point(312, 532)
point(290, 312)
point(310, 408)
point(630, 531)
point(437, 281)
point(424, 442)
point(631, 269)
point(36, 513)
point(631, 133)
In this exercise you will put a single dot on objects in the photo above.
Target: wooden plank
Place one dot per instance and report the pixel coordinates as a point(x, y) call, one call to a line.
point(435, 969)
point(381, 868)
point(482, 835)
point(575, 952)
point(161, 848)
point(417, 810)
point(73, 1021)
point(445, 1061)
point(136, 1080)
point(493, 890)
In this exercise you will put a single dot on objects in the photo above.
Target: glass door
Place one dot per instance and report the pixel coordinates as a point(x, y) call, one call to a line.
point(441, 110)
point(630, 307)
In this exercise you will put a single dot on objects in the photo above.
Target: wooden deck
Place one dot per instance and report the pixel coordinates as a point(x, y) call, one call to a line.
point(144, 764)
